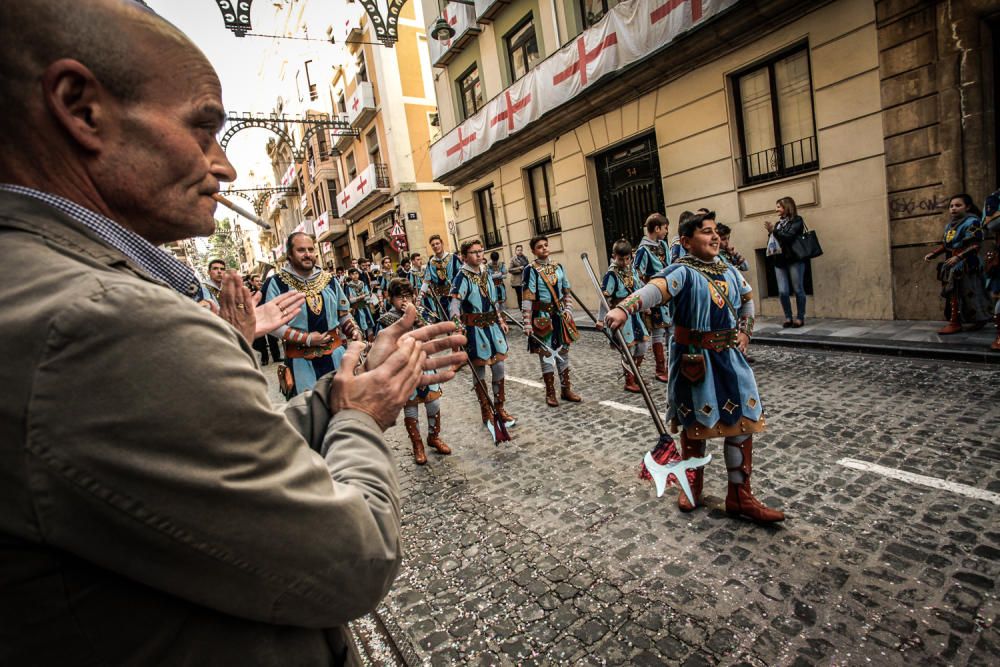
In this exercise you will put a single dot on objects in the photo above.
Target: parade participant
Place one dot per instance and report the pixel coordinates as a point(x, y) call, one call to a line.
point(156, 509)
point(547, 309)
point(728, 252)
point(400, 293)
point(518, 264)
point(359, 299)
point(712, 391)
point(621, 280)
point(442, 267)
point(415, 273)
point(474, 305)
point(961, 274)
point(315, 338)
point(650, 259)
point(365, 272)
point(498, 271)
point(676, 249)
point(403, 270)
point(211, 288)
point(991, 225)
point(266, 345)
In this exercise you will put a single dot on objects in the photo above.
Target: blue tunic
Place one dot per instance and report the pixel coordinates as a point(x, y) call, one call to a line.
point(426, 394)
point(358, 295)
point(210, 293)
point(322, 312)
point(728, 391)
point(651, 258)
point(547, 310)
point(475, 294)
point(618, 284)
point(498, 273)
point(438, 277)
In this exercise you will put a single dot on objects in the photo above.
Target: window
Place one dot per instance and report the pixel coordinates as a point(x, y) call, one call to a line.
point(331, 189)
point(374, 155)
point(341, 102)
point(362, 67)
point(593, 11)
point(541, 188)
point(321, 141)
point(487, 214)
point(434, 125)
point(352, 167)
point(774, 117)
point(470, 91)
point(313, 90)
point(522, 48)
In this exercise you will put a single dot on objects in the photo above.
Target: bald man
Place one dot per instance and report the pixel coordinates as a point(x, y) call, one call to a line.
point(154, 509)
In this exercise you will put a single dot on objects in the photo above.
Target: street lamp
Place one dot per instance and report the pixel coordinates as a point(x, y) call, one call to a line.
point(441, 31)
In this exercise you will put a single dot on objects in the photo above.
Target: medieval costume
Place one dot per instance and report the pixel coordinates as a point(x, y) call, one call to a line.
point(325, 311)
point(429, 396)
point(473, 305)
point(360, 298)
point(498, 272)
point(548, 308)
point(991, 226)
point(618, 283)
point(712, 390)
point(650, 259)
point(962, 284)
point(210, 292)
point(439, 274)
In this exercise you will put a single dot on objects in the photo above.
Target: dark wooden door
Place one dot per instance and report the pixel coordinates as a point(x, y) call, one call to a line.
point(630, 188)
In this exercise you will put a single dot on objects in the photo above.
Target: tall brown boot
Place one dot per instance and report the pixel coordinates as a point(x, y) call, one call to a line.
point(484, 403)
point(660, 354)
point(954, 321)
point(691, 448)
point(434, 435)
point(567, 391)
point(499, 397)
point(740, 499)
point(630, 382)
point(550, 390)
point(996, 343)
point(413, 430)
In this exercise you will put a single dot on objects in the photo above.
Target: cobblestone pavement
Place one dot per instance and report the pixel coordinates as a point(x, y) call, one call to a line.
point(550, 550)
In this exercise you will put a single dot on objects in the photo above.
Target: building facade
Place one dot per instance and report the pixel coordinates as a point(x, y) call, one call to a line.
point(577, 118)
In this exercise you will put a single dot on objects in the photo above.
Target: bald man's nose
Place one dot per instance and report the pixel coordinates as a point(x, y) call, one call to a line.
point(222, 168)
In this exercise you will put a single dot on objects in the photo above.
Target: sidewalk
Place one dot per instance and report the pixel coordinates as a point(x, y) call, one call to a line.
point(908, 338)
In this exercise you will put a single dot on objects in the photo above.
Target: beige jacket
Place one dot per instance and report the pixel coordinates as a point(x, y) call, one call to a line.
point(154, 508)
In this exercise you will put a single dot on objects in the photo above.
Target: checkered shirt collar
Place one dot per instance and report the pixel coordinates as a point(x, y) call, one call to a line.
point(156, 262)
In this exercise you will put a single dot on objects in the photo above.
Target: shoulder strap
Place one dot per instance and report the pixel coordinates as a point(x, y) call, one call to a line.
point(552, 288)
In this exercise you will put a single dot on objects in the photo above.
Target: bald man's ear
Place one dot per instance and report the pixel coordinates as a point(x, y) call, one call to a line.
point(76, 101)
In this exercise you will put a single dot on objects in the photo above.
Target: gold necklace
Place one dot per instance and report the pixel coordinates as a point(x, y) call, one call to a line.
point(313, 289)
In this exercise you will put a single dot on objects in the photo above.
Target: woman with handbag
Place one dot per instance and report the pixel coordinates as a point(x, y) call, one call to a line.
point(789, 270)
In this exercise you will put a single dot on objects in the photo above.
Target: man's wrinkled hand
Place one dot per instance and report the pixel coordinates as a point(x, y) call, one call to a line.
point(236, 305)
point(434, 338)
point(383, 391)
point(277, 312)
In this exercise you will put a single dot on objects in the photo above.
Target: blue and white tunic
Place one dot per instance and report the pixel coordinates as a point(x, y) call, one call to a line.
point(210, 292)
point(650, 259)
point(439, 274)
point(431, 392)
point(498, 273)
point(726, 402)
point(547, 310)
point(359, 297)
point(474, 298)
point(618, 283)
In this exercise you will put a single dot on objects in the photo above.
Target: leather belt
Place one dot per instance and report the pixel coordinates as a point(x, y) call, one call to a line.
point(717, 341)
point(546, 307)
point(441, 289)
point(479, 319)
point(297, 351)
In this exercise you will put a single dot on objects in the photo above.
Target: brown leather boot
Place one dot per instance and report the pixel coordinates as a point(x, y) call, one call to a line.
point(434, 435)
point(996, 343)
point(500, 396)
point(413, 430)
point(740, 499)
point(567, 391)
point(550, 390)
point(954, 321)
point(484, 403)
point(630, 382)
point(660, 354)
point(691, 448)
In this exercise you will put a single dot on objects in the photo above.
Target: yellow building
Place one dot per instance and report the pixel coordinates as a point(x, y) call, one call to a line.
point(387, 95)
point(577, 118)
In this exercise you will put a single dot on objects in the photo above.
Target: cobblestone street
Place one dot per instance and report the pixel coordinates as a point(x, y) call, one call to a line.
point(551, 550)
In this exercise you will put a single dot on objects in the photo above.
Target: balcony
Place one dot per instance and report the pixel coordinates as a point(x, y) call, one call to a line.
point(361, 106)
point(328, 225)
point(348, 26)
point(487, 10)
point(462, 18)
point(341, 142)
point(546, 224)
point(769, 164)
point(368, 189)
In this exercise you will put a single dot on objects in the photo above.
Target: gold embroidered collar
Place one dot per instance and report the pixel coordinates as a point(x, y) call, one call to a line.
point(312, 287)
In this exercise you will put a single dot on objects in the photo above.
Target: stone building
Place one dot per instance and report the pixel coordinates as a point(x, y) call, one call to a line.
point(579, 117)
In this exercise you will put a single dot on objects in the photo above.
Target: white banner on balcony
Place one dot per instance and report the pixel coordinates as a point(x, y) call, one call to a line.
point(357, 190)
point(461, 18)
point(629, 32)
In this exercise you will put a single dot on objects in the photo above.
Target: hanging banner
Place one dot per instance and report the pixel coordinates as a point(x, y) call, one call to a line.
point(629, 32)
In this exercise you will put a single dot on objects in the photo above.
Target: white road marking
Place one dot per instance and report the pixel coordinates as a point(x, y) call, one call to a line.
point(530, 383)
point(626, 408)
point(922, 480)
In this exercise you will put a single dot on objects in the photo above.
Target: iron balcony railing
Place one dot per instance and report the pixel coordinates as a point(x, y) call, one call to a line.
point(381, 175)
point(771, 163)
point(546, 224)
point(491, 238)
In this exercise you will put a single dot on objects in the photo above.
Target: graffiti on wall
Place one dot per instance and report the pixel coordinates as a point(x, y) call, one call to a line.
point(905, 205)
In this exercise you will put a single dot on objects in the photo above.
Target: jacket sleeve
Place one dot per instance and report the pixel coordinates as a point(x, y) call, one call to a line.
point(154, 453)
point(789, 232)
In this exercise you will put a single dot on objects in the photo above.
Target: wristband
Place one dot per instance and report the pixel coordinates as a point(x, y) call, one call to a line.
point(745, 325)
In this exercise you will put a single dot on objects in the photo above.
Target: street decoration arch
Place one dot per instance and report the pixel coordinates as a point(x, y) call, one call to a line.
point(236, 15)
point(261, 195)
point(238, 121)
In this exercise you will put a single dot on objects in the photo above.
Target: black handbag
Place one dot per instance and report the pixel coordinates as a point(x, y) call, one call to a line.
point(805, 245)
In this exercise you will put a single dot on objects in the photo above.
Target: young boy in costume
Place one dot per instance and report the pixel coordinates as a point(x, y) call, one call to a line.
point(548, 315)
point(728, 252)
point(621, 280)
point(712, 391)
point(359, 296)
point(498, 273)
point(473, 305)
point(440, 272)
point(399, 292)
point(651, 258)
